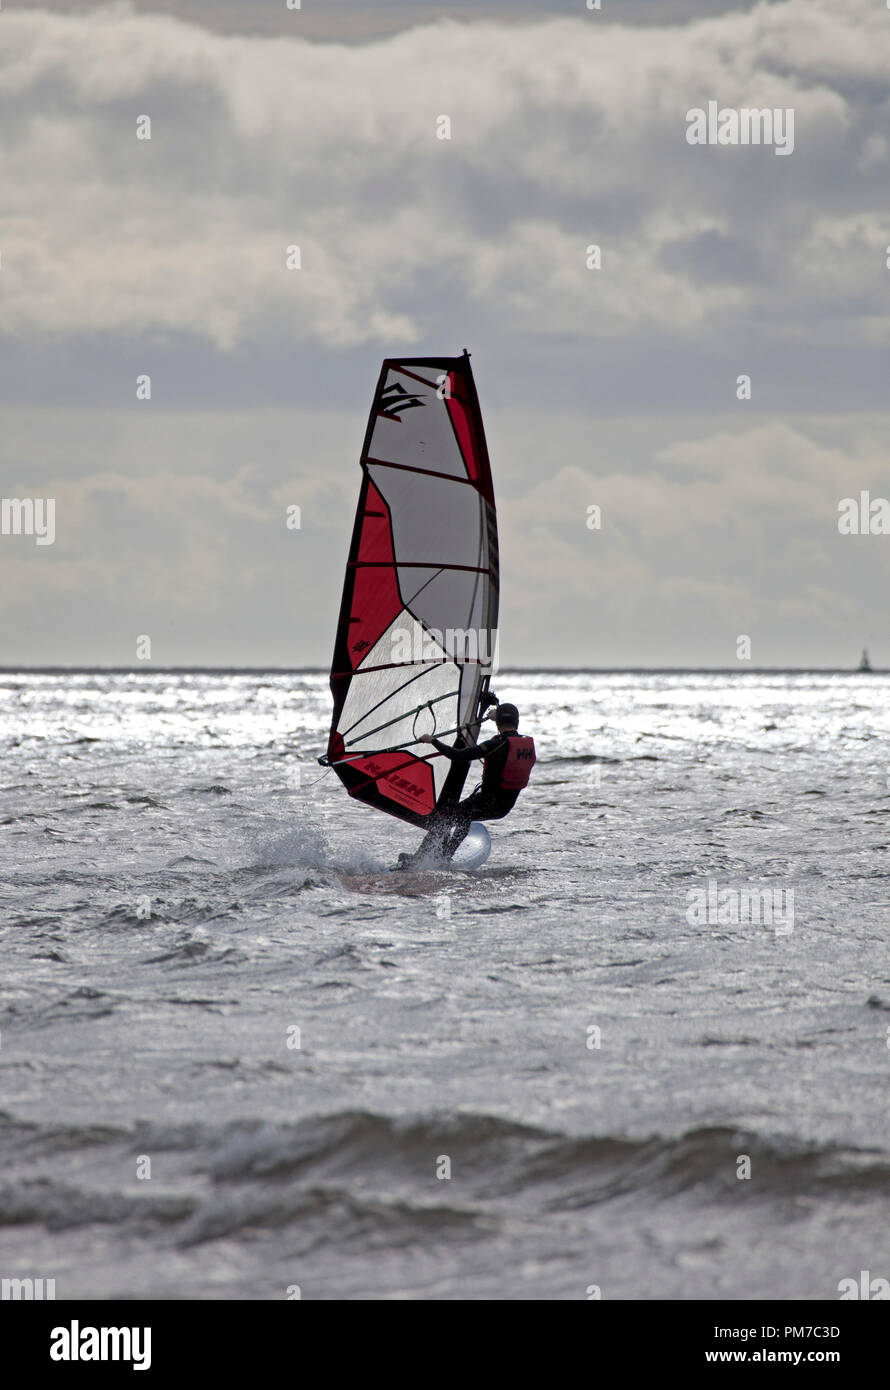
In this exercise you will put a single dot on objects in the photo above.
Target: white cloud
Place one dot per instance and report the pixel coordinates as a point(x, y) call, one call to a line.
point(564, 132)
point(121, 256)
point(707, 538)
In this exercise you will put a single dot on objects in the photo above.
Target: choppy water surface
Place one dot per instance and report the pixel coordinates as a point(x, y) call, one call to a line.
point(183, 888)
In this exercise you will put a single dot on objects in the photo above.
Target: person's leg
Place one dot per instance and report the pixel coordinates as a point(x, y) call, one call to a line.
point(449, 826)
point(479, 806)
point(432, 842)
point(437, 834)
point(474, 808)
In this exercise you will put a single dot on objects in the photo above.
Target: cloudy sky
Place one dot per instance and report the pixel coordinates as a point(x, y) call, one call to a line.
point(614, 387)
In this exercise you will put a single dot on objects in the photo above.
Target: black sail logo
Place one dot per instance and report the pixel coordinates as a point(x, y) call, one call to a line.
point(396, 399)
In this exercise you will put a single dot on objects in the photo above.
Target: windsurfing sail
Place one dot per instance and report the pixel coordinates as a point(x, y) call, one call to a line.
point(416, 637)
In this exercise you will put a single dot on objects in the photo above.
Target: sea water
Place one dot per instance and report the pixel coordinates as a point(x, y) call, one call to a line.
point(644, 1052)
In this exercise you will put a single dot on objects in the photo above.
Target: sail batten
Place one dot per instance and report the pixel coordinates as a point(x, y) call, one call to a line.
point(420, 632)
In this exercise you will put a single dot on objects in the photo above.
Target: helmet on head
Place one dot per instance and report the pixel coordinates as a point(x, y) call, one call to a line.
point(506, 714)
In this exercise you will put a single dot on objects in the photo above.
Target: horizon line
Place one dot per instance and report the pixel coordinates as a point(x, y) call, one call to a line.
point(517, 670)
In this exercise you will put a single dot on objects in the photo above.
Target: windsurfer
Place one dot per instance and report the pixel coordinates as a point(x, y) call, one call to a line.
point(508, 760)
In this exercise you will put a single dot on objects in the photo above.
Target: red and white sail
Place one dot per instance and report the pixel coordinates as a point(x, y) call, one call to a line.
point(417, 631)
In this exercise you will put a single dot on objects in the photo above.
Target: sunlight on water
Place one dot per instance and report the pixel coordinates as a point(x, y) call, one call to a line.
point(206, 956)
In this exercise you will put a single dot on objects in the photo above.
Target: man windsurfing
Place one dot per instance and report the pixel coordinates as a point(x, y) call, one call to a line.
point(508, 760)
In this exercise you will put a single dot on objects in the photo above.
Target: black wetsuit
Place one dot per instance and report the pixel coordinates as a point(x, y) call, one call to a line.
point(449, 825)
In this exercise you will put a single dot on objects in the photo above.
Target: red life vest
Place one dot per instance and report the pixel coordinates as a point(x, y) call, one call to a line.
point(520, 761)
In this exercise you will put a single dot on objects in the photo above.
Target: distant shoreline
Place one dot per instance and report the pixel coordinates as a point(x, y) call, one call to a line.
point(145, 670)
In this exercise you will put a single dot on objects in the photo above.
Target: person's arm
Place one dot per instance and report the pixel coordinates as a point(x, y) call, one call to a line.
point(461, 755)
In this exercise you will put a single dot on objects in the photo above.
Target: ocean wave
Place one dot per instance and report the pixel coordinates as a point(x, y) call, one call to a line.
point(360, 1154)
point(63, 1206)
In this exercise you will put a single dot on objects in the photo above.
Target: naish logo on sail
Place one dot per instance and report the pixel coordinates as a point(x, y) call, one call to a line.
point(396, 398)
point(398, 783)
